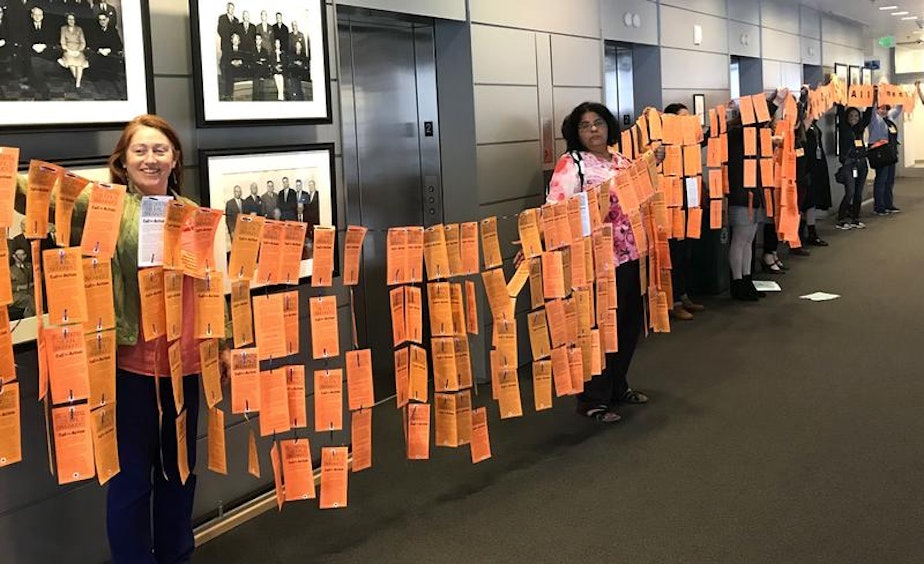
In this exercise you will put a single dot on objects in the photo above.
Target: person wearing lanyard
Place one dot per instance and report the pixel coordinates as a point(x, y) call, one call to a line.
point(883, 130)
point(589, 130)
point(852, 154)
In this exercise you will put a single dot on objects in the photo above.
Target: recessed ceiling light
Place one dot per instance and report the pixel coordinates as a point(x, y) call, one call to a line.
point(910, 18)
point(888, 8)
point(899, 13)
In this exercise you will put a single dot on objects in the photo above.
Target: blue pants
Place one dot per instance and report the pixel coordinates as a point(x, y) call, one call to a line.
point(853, 190)
point(133, 538)
point(882, 188)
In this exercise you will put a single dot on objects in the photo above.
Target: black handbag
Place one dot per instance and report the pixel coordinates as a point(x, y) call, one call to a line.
point(882, 155)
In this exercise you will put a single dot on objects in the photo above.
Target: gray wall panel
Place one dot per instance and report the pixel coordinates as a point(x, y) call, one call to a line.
point(507, 228)
point(445, 9)
point(811, 51)
point(575, 17)
point(508, 171)
point(743, 39)
point(171, 19)
point(809, 22)
point(781, 46)
point(677, 30)
point(780, 15)
point(643, 29)
point(576, 61)
point(503, 56)
point(714, 7)
point(506, 113)
point(711, 69)
point(747, 11)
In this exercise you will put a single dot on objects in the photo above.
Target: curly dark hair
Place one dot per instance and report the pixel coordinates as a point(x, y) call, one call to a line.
point(569, 127)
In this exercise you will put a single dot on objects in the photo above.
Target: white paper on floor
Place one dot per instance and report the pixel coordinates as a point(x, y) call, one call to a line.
point(820, 297)
point(767, 286)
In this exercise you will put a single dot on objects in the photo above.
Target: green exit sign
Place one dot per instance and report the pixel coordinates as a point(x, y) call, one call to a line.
point(887, 41)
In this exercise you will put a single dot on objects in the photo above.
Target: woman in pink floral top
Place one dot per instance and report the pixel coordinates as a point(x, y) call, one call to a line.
point(590, 130)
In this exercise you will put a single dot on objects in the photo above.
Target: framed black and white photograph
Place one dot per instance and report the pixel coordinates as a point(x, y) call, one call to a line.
point(74, 63)
point(260, 61)
point(840, 71)
point(853, 75)
point(22, 310)
point(866, 76)
point(282, 183)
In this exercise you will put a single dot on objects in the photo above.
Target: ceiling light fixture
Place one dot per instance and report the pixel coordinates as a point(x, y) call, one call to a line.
point(908, 18)
point(899, 13)
point(884, 8)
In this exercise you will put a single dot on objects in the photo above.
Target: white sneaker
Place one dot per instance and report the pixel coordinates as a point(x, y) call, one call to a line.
point(858, 225)
point(844, 225)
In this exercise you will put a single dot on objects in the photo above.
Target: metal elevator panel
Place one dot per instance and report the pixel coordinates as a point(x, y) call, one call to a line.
point(391, 154)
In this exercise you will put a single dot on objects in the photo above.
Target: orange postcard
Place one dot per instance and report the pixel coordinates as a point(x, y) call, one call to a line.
point(173, 303)
point(458, 309)
point(528, 225)
point(295, 390)
point(694, 223)
point(175, 358)
point(334, 468)
point(325, 238)
point(105, 445)
point(274, 403)
point(67, 363)
point(359, 379)
point(352, 252)
point(561, 371)
point(750, 141)
point(64, 282)
point(490, 243)
point(436, 255)
point(245, 381)
point(413, 313)
point(402, 376)
point(325, 336)
point(417, 374)
point(6, 284)
point(9, 161)
point(10, 424)
point(481, 443)
point(198, 243)
point(97, 279)
point(542, 384)
point(418, 431)
point(673, 160)
point(182, 454)
point(746, 107)
point(553, 281)
point(692, 160)
point(453, 248)
point(398, 316)
point(555, 318)
point(290, 320)
point(269, 263)
point(445, 373)
point(439, 299)
point(715, 214)
point(766, 173)
point(104, 217)
point(447, 431)
point(248, 232)
point(396, 256)
point(464, 416)
point(576, 369)
point(761, 110)
point(471, 308)
point(293, 249)
point(519, 278)
point(361, 439)
point(177, 221)
point(218, 457)
point(496, 288)
point(295, 457)
point(210, 368)
point(328, 400)
point(73, 443)
point(7, 359)
point(253, 459)
point(269, 326)
point(43, 178)
point(468, 247)
point(715, 183)
point(464, 362)
point(210, 306)
point(241, 314)
point(766, 142)
point(750, 173)
point(539, 335)
point(671, 129)
point(415, 254)
point(65, 199)
point(536, 292)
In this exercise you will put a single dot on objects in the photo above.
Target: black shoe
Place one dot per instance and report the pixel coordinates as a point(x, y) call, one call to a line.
point(741, 290)
point(814, 239)
point(752, 288)
point(800, 252)
point(892, 210)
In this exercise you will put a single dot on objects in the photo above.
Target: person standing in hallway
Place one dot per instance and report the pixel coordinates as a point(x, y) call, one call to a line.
point(819, 183)
point(681, 257)
point(883, 130)
point(851, 123)
point(589, 130)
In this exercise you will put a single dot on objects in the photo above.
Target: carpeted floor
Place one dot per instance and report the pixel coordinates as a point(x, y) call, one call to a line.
point(782, 431)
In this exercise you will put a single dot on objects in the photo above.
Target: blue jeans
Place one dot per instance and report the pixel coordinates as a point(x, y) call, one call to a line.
point(853, 189)
point(132, 536)
point(882, 188)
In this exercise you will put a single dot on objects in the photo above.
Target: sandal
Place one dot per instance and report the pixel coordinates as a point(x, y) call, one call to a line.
point(633, 396)
point(601, 413)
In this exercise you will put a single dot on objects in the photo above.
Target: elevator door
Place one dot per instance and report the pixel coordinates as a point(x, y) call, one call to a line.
point(391, 153)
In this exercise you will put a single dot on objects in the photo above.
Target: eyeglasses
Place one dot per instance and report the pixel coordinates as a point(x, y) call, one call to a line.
point(599, 123)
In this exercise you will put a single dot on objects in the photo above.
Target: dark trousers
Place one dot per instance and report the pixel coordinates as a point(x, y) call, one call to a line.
point(853, 189)
point(681, 258)
point(882, 188)
point(609, 386)
point(771, 241)
point(133, 537)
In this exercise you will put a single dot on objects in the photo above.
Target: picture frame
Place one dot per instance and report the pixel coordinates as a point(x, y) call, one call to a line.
point(241, 81)
point(83, 74)
point(854, 75)
point(699, 107)
point(254, 171)
point(23, 325)
point(866, 76)
point(841, 71)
